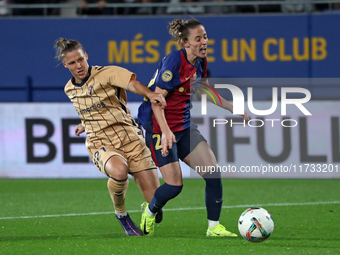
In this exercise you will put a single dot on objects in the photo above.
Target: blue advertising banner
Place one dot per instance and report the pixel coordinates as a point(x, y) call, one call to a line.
point(292, 46)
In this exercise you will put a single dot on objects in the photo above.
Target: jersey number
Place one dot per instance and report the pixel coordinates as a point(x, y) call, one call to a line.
point(158, 143)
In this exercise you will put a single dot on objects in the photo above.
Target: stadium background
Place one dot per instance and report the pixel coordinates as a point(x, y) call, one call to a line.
point(54, 201)
point(302, 50)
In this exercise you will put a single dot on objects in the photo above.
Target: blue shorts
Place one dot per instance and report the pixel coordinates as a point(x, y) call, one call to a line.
point(187, 140)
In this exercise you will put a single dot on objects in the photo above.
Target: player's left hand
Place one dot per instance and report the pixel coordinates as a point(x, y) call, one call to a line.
point(79, 129)
point(158, 99)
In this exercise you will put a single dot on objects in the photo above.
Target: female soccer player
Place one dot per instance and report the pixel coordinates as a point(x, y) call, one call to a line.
point(114, 141)
point(173, 126)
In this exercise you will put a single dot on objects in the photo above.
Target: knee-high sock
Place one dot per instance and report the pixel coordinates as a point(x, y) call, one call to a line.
point(117, 189)
point(162, 195)
point(213, 195)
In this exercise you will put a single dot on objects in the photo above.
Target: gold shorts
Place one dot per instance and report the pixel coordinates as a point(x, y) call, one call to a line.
point(136, 154)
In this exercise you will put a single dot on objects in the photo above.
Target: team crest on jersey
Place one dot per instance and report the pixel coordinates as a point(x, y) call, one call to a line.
point(89, 90)
point(167, 76)
point(165, 153)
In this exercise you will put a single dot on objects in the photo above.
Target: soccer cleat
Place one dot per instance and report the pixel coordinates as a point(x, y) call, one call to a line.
point(219, 230)
point(147, 224)
point(129, 226)
point(159, 216)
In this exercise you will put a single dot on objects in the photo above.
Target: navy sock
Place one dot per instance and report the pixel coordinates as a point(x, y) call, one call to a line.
point(162, 195)
point(213, 195)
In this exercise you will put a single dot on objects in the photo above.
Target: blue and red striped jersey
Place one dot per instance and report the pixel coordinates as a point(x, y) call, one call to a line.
point(173, 74)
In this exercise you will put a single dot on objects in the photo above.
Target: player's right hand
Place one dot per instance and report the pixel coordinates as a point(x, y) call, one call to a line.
point(79, 129)
point(157, 98)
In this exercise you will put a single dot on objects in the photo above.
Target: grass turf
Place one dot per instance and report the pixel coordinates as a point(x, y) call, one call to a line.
point(300, 228)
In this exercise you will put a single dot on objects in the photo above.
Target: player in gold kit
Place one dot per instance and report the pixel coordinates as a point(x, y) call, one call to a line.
point(114, 141)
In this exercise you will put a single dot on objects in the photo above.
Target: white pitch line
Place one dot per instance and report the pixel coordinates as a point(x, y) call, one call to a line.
point(173, 209)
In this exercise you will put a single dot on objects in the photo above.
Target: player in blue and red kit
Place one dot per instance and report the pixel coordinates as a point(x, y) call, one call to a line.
point(174, 75)
point(170, 133)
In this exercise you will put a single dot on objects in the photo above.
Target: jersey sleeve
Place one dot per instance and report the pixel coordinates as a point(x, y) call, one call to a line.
point(168, 75)
point(120, 77)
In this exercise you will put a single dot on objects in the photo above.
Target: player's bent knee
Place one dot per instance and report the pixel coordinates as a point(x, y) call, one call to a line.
point(173, 190)
point(178, 182)
point(119, 175)
point(116, 168)
point(178, 189)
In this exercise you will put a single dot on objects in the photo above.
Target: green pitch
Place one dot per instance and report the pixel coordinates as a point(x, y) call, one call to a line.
point(76, 217)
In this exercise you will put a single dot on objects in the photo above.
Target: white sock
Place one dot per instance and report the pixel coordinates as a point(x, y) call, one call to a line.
point(151, 214)
point(119, 214)
point(213, 223)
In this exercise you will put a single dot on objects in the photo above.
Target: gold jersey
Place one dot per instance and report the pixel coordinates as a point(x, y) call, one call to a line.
point(100, 101)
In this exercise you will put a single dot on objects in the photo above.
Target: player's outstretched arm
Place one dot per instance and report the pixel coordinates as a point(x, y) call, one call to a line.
point(167, 136)
point(139, 89)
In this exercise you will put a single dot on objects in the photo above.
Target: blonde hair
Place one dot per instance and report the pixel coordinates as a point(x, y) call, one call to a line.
point(179, 29)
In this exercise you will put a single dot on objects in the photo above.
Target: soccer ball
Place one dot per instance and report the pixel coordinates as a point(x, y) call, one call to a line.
point(255, 224)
